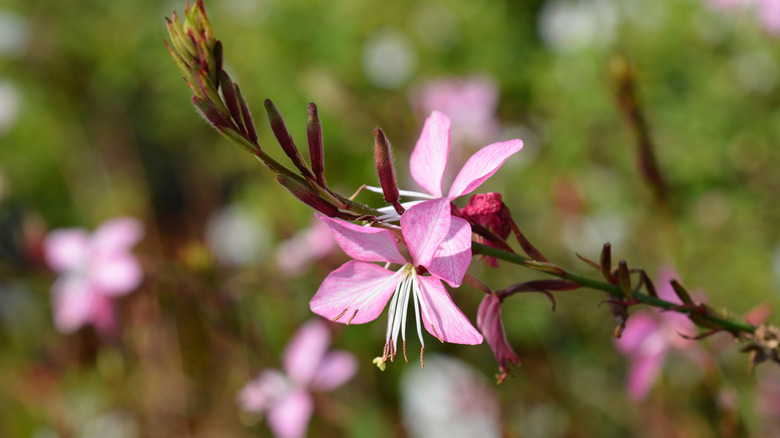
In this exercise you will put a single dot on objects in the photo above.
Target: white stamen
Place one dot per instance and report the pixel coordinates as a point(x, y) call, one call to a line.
point(391, 312)
point(403, 290)
point(409, 193)
point(417, 308)
point(422, 302)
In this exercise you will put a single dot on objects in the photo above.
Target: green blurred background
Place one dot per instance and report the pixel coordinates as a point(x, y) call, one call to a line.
point(96, 122)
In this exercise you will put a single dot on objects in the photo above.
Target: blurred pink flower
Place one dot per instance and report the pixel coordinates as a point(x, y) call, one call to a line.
point(767, 11)
point(94, 269)
point(650, 336)
point(469, 102)
point(313, 243)
point(359, 290)
point(308, 366)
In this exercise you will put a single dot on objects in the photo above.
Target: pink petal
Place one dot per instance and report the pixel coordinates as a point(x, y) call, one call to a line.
point(664, 287)
point(367, 244)
point(66, 249)
point(72, 298)
point(103, 315)
point(425, 226)
point(337, 368)
point(454, 255)
point(115, 274)
point(482, 165)
point(259, 393)
point(289, 417)
point(639, 328)
point(119, 234)
point(430, 154)
point(442, 318)
point(644, 372)
point(304, 352)
point(355, 293)
point(297, 253)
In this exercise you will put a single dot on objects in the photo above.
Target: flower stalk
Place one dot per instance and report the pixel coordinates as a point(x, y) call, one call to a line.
point(480, 228)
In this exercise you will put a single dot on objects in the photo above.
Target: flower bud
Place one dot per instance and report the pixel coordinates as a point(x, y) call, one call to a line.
point(314, 137)
point(492, 328)
point(488, 210)
point(306, 194)
point(383, 156)
point(211, 113)
point(283, 136)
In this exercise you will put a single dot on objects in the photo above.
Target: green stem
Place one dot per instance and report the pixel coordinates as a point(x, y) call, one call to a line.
point(735, 327)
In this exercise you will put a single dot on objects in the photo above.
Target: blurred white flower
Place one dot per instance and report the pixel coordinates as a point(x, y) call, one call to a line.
point(13, 33)
point(389, 58)
point(235, 237)
point(448, 399)
point(755, 71)
point(572, 26)
point(111, 425)
point(10, 102)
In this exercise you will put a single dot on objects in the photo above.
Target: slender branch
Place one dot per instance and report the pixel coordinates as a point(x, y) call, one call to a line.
point(730, 325)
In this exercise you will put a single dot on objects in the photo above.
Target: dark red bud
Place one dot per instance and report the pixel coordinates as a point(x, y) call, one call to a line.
point(230, 98)
point(210, 113)
point(383, 155)
point(246, 116)
point(307, 195)
point(624, 278)
point(606, 263)
point(283, 136)
point(314, 137)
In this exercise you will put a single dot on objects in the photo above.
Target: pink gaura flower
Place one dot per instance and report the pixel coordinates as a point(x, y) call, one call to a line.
point(358, 291)
point(429, 160)
point(308, 366)
point(649, 337)
point(94, 269)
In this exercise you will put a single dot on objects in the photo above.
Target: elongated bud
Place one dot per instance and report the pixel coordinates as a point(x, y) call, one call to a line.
point(306, 195)
point(211, 113)
point(283, 136)
point(492, 327)
point(681, 292)
point(383, 155)
point(316, 150)
point(229, 93)
point(606, 263)
point(246, 117)
point(624, 278)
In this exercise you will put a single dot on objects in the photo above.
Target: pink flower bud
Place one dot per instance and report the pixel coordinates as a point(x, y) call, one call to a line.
point(492, 328)
point(488, 210)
